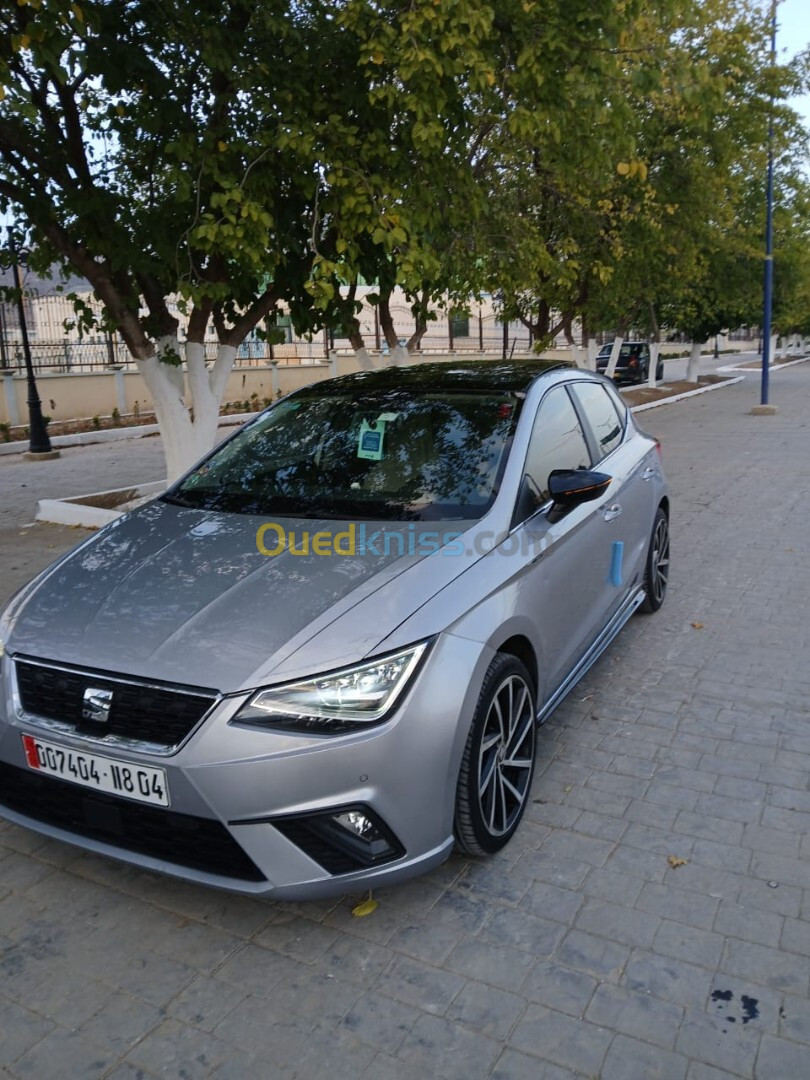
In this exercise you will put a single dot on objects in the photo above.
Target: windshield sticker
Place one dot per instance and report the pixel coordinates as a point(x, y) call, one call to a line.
point(370, 440)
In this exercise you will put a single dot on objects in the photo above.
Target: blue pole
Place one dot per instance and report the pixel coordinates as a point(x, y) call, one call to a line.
point(768, 298)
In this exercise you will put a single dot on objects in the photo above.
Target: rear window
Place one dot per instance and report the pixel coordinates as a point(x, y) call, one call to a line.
point(626, 352)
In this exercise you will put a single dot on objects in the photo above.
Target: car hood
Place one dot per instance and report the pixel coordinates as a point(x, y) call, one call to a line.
point(185, 595)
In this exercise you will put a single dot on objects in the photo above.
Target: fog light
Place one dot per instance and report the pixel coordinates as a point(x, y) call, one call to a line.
point(362, 835)
point(342, 840)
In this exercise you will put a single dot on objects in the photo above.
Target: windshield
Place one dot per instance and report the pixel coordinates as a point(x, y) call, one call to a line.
point(392, 455)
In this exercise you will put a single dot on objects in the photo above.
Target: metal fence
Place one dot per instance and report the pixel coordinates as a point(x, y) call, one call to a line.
point(473, 334)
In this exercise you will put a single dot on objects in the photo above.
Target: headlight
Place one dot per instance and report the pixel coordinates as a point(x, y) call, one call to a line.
point(342, 701)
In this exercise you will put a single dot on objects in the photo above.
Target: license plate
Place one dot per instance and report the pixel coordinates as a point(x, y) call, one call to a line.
point(124, 778)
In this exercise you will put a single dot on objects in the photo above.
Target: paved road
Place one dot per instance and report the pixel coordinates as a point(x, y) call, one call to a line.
point(580, 951)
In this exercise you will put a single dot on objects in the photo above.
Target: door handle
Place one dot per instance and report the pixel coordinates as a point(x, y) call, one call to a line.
point(611, 512)
point(649, 473)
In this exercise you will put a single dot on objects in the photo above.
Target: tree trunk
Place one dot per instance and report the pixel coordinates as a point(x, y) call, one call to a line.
point(618, 341)
point(593, 352)
point(655, 348)
point(693, 367)
point(188, 432)
point(421, 324)
point(357, 341)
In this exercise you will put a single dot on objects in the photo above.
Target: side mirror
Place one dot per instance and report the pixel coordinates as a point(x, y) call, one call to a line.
point(569, 487)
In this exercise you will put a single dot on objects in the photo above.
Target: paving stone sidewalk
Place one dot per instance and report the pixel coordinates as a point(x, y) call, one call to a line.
point(581, 951)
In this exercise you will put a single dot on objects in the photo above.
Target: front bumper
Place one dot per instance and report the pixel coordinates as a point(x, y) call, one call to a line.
point(235, 789)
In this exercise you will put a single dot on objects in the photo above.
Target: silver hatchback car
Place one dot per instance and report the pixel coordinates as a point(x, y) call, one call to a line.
point(318, 661)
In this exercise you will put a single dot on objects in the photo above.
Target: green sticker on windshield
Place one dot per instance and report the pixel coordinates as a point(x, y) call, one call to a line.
point(370, 440)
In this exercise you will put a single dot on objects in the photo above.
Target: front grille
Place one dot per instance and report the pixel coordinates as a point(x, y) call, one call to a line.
point(197, 843)
point(162, 716)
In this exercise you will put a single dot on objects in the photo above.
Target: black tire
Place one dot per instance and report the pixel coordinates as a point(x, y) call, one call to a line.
point(496, 772)
point(656, 573)
point(659, 371)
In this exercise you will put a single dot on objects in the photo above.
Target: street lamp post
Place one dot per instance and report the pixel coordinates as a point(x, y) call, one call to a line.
point(3, 358)
point(39, 443)
point(768, 298)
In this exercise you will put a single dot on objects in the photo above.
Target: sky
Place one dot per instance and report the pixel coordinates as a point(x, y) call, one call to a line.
point(793, 35)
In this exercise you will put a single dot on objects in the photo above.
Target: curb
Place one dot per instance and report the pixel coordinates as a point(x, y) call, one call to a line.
point(685, 394)
point(80, 511)
point(85, 438)
point(771, 367)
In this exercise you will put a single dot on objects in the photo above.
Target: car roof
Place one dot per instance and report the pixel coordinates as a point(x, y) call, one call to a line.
point(487, 375)
point(627, 341)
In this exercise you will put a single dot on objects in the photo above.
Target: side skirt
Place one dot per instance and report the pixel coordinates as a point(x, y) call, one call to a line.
point(592, 655)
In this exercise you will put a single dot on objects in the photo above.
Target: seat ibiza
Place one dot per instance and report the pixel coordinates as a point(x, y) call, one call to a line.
point(318, 661)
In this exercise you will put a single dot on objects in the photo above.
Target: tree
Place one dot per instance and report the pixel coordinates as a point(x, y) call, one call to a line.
point(135, 149)
point(627, 222)
point(233, 155)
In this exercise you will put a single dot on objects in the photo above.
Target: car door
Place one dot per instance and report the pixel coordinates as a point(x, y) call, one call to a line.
point(627, 513)
point(563, 586)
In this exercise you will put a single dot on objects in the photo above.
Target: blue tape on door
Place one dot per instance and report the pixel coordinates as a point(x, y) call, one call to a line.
point(617, 553)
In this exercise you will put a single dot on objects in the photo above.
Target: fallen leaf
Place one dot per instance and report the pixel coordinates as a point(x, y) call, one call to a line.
point(365, 907)
point(697, 625)
point(568, 788)
point(675, 861)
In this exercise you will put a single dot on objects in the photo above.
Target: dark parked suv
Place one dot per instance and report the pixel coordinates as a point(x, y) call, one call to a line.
point(634, 362)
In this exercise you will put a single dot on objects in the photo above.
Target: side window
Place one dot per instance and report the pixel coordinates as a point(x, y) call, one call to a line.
point(601, 414)
point(619, 403)
point(557, 442)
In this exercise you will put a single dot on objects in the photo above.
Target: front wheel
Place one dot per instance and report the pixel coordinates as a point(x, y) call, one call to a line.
point(656, 574)
point(498, 764)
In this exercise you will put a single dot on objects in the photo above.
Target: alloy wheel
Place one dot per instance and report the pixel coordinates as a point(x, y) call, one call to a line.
point(506, 755)
point(660, 560)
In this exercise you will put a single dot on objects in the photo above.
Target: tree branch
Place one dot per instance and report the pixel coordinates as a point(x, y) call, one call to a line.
point(249, 319)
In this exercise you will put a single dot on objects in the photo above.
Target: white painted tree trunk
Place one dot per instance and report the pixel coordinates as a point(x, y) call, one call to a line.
point(400, 357)
point(593, 352)
point(188, 430)
point(614, 357)
point(774, 343)
point(693, 367)
point(365, 360)
point(655, 349)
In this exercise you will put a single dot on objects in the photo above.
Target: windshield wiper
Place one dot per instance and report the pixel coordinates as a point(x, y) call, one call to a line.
point(179, 500)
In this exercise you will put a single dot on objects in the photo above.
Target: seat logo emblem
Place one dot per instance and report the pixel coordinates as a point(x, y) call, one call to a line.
point(96, 705)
